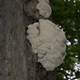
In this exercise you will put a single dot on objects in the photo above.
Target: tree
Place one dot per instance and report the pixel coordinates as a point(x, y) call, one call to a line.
point(16, 59)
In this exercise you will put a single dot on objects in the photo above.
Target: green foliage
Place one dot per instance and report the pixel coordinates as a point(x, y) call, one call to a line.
point(67, 14)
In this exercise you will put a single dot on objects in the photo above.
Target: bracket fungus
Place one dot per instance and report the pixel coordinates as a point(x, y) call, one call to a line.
point(44, 8)
point(46, 1)
point(48, 41)
point(38, 8)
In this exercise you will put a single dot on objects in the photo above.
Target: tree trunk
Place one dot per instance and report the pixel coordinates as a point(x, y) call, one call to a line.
point(16, 59)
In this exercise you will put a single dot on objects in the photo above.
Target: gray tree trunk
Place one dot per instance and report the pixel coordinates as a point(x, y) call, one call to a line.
point(16, 59)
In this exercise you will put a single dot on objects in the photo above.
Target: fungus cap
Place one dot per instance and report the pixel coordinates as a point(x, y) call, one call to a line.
point(44, 9)
point(46, 1)
point(48, 41)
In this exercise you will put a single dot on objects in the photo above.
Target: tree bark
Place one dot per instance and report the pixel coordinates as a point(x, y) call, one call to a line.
point(16, 59)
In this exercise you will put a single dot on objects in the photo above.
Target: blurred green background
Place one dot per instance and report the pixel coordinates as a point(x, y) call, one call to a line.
point(66, 13)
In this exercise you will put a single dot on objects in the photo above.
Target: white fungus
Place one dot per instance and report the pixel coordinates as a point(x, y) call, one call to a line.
point(46, 1)
point(48, 41)
point(44, 8)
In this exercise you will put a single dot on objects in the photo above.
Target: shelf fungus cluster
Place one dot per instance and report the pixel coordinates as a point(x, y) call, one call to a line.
point(47, 40)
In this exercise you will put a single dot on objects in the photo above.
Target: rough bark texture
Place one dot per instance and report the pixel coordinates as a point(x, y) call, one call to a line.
point(17, 61)
point(13, 57)
point(13, 65)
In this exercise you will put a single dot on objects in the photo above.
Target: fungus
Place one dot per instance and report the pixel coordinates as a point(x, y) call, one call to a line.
point(46, 1)
point(48, 41)
point(44, 8)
